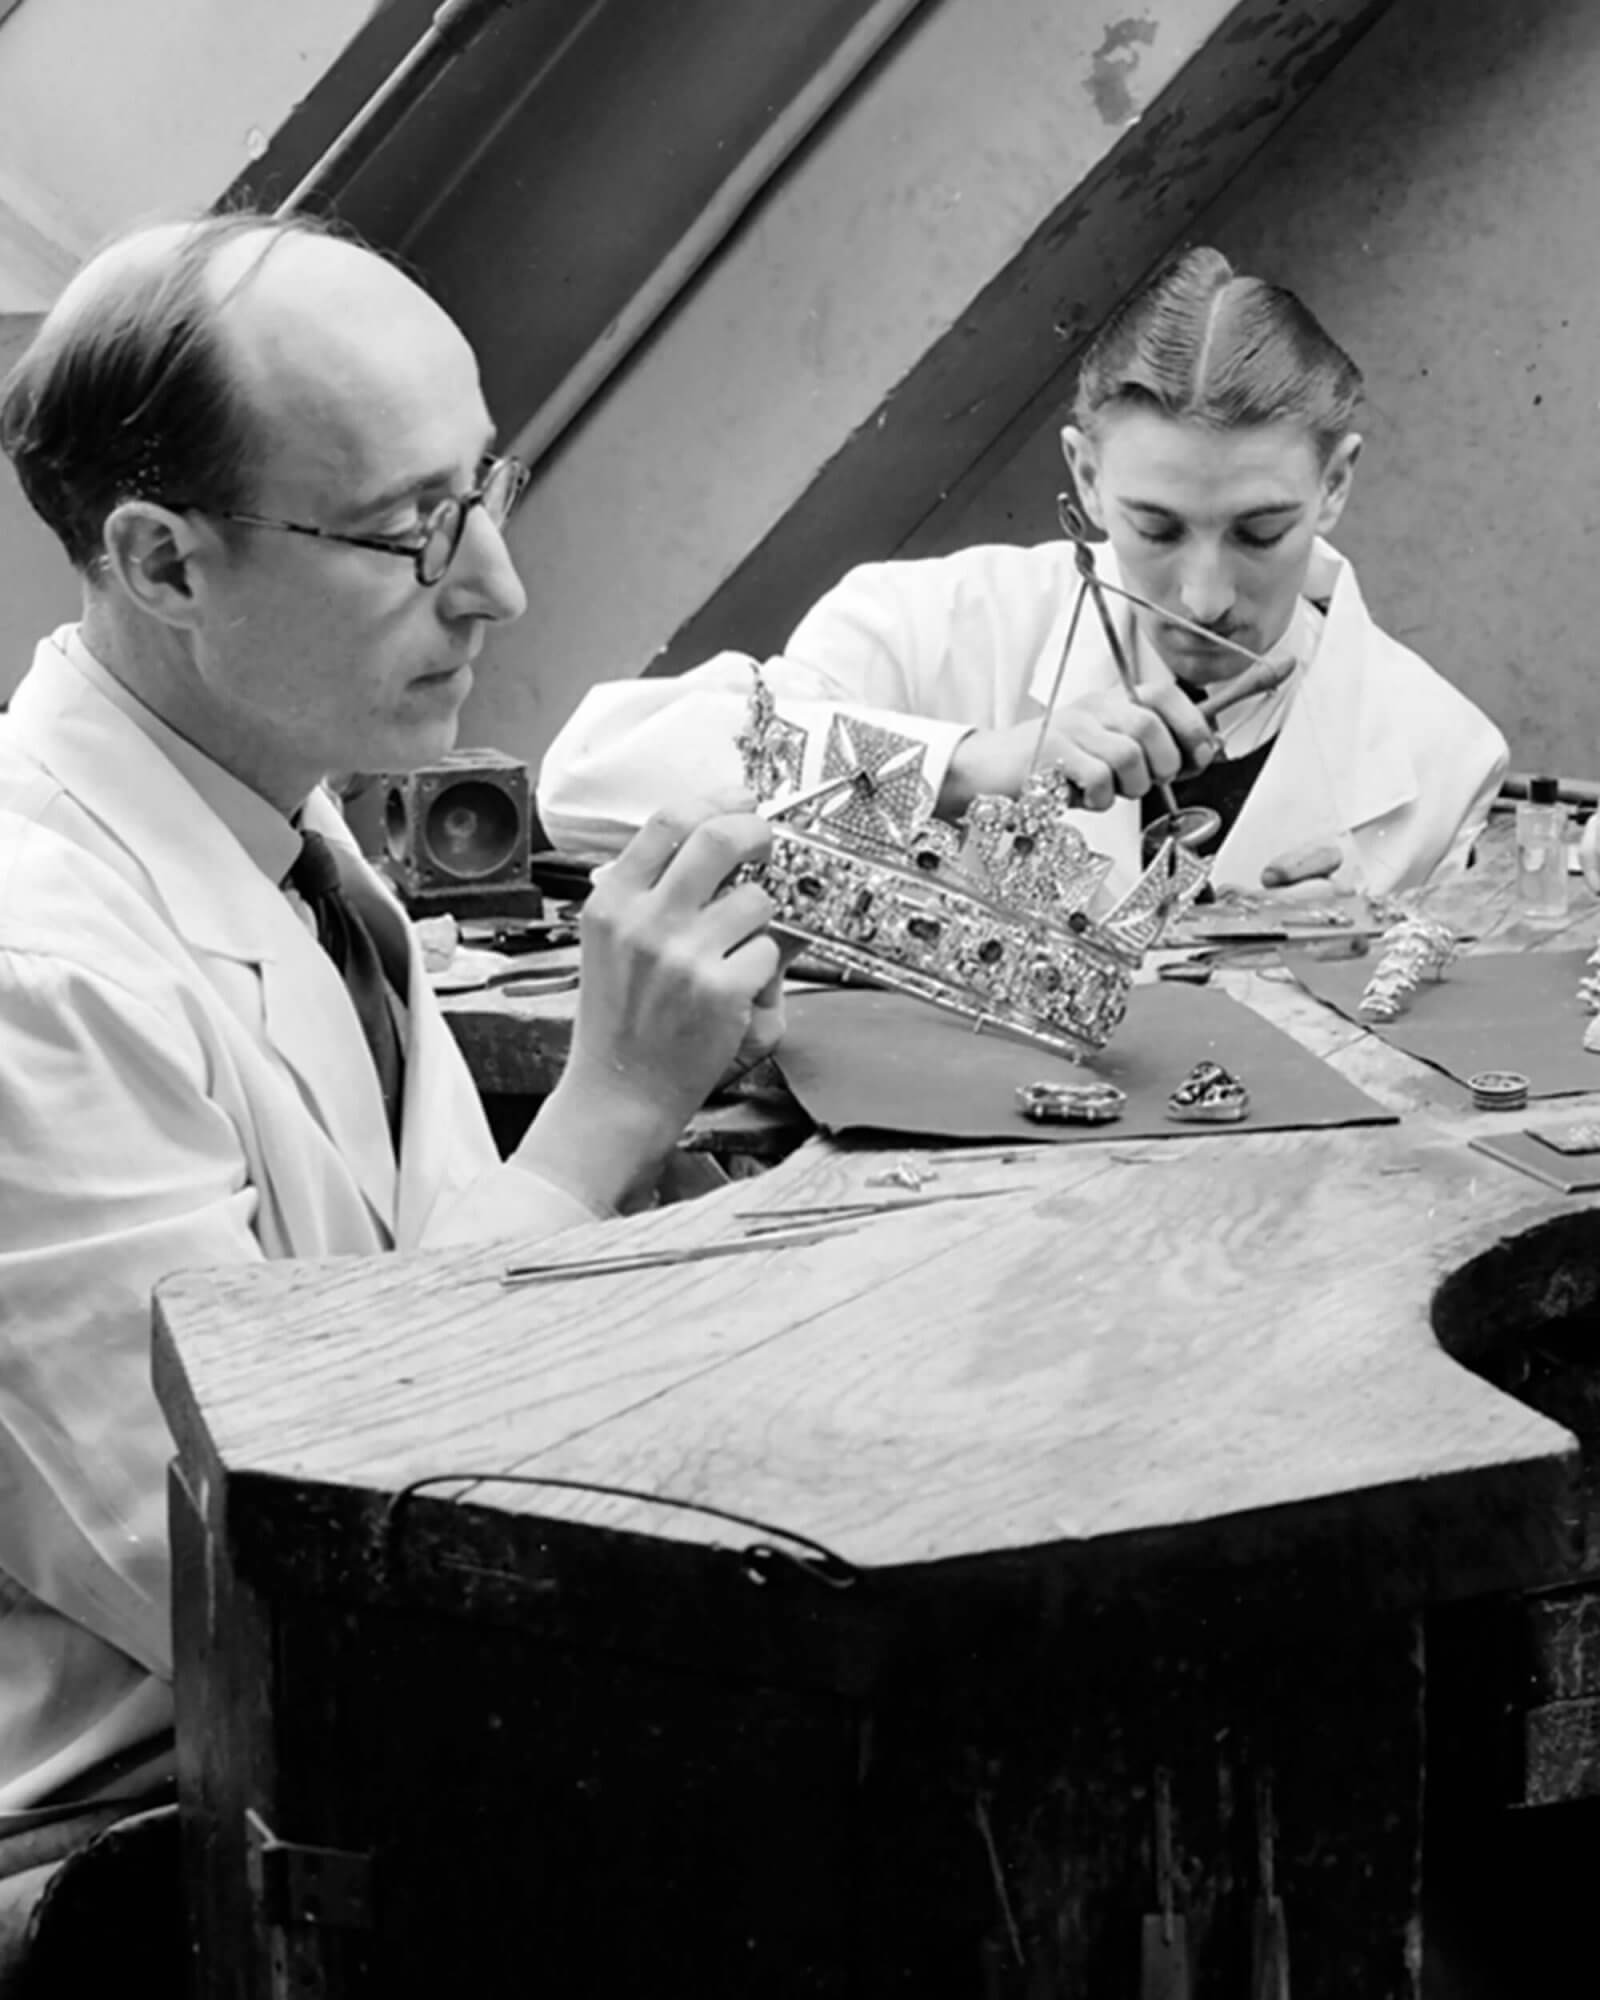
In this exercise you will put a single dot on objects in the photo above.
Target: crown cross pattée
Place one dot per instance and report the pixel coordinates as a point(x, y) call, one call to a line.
point(993, 919)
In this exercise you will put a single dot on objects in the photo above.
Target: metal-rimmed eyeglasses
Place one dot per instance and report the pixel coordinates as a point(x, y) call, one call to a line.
point(434, 548)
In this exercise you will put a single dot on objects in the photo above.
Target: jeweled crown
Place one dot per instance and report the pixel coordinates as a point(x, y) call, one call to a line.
point(997, 918)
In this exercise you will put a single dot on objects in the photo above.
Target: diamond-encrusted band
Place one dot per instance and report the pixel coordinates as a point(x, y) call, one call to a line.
point(993, 919)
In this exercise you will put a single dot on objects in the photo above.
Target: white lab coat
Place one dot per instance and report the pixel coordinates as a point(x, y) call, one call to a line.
point(1377, 752)
point(183, 1082)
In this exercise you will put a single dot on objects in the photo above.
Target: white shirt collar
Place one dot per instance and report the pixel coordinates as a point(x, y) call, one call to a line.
point(265, 834)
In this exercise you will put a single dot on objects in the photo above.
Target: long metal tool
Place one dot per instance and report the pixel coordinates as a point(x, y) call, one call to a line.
point(456, 25)
point(757, 1220)
point(620, 1264)
point(1269, 673)
point(830, 788)
point(1075, 524)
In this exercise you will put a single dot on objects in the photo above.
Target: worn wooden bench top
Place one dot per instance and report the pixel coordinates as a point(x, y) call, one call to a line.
point(1220, 1333)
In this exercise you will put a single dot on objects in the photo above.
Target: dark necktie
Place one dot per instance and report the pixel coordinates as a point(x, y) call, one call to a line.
point(344, 936)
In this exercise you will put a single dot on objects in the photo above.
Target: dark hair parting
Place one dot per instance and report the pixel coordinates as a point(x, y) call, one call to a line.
point(1203, 344)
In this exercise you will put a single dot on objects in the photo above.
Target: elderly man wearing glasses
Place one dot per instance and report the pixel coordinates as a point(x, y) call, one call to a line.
point(267, 454)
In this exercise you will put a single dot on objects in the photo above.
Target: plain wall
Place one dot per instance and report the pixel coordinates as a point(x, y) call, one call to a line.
point(111, 110)
point(1432, 202)
point(1435, 203)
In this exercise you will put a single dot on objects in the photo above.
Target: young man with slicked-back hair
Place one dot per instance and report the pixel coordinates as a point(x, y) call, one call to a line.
point(1212, 441)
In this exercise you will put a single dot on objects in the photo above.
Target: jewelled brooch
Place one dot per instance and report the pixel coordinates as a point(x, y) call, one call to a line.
point(1209, 1095)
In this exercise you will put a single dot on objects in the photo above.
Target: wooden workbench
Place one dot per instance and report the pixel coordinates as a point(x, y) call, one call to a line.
point(1148, 1480)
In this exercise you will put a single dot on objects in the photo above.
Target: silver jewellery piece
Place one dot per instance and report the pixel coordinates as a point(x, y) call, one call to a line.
point(1209, 1095)
point(1071, 1103)
point(1413, 950)
point(1582, 1138)
point(999, 919)
point(905, 1172)
point(1499, 1090)
point(1589, 997)
point(1589, 986)
point(770, 749)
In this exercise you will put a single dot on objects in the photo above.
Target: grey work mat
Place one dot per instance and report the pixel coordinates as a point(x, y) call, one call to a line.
point(1492, 1010)
point(874, 1061)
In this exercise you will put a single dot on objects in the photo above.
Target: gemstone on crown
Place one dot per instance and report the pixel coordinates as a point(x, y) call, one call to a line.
point(994, 918)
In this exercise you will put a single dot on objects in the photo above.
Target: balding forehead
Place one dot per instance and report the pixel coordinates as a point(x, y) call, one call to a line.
point(282, 263)
point(315, 302)
point(128, 262)
point(286, 267)
point(340, 357)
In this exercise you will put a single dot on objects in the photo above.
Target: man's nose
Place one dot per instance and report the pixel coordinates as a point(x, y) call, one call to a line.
point(1205, 586)
point(482, 582)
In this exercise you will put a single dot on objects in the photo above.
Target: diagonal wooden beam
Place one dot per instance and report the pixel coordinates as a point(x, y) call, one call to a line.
point(993, 373)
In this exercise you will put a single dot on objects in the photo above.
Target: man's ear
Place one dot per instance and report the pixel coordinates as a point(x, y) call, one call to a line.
point(150, 551)
point(1083, 463)
point(1338, 476)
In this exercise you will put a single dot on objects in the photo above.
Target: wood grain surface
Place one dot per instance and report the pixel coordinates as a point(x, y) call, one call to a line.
point(1155, 1481)
point(1134, 1338)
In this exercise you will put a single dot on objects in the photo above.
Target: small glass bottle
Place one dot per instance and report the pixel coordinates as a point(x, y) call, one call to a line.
point(1542, 852)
